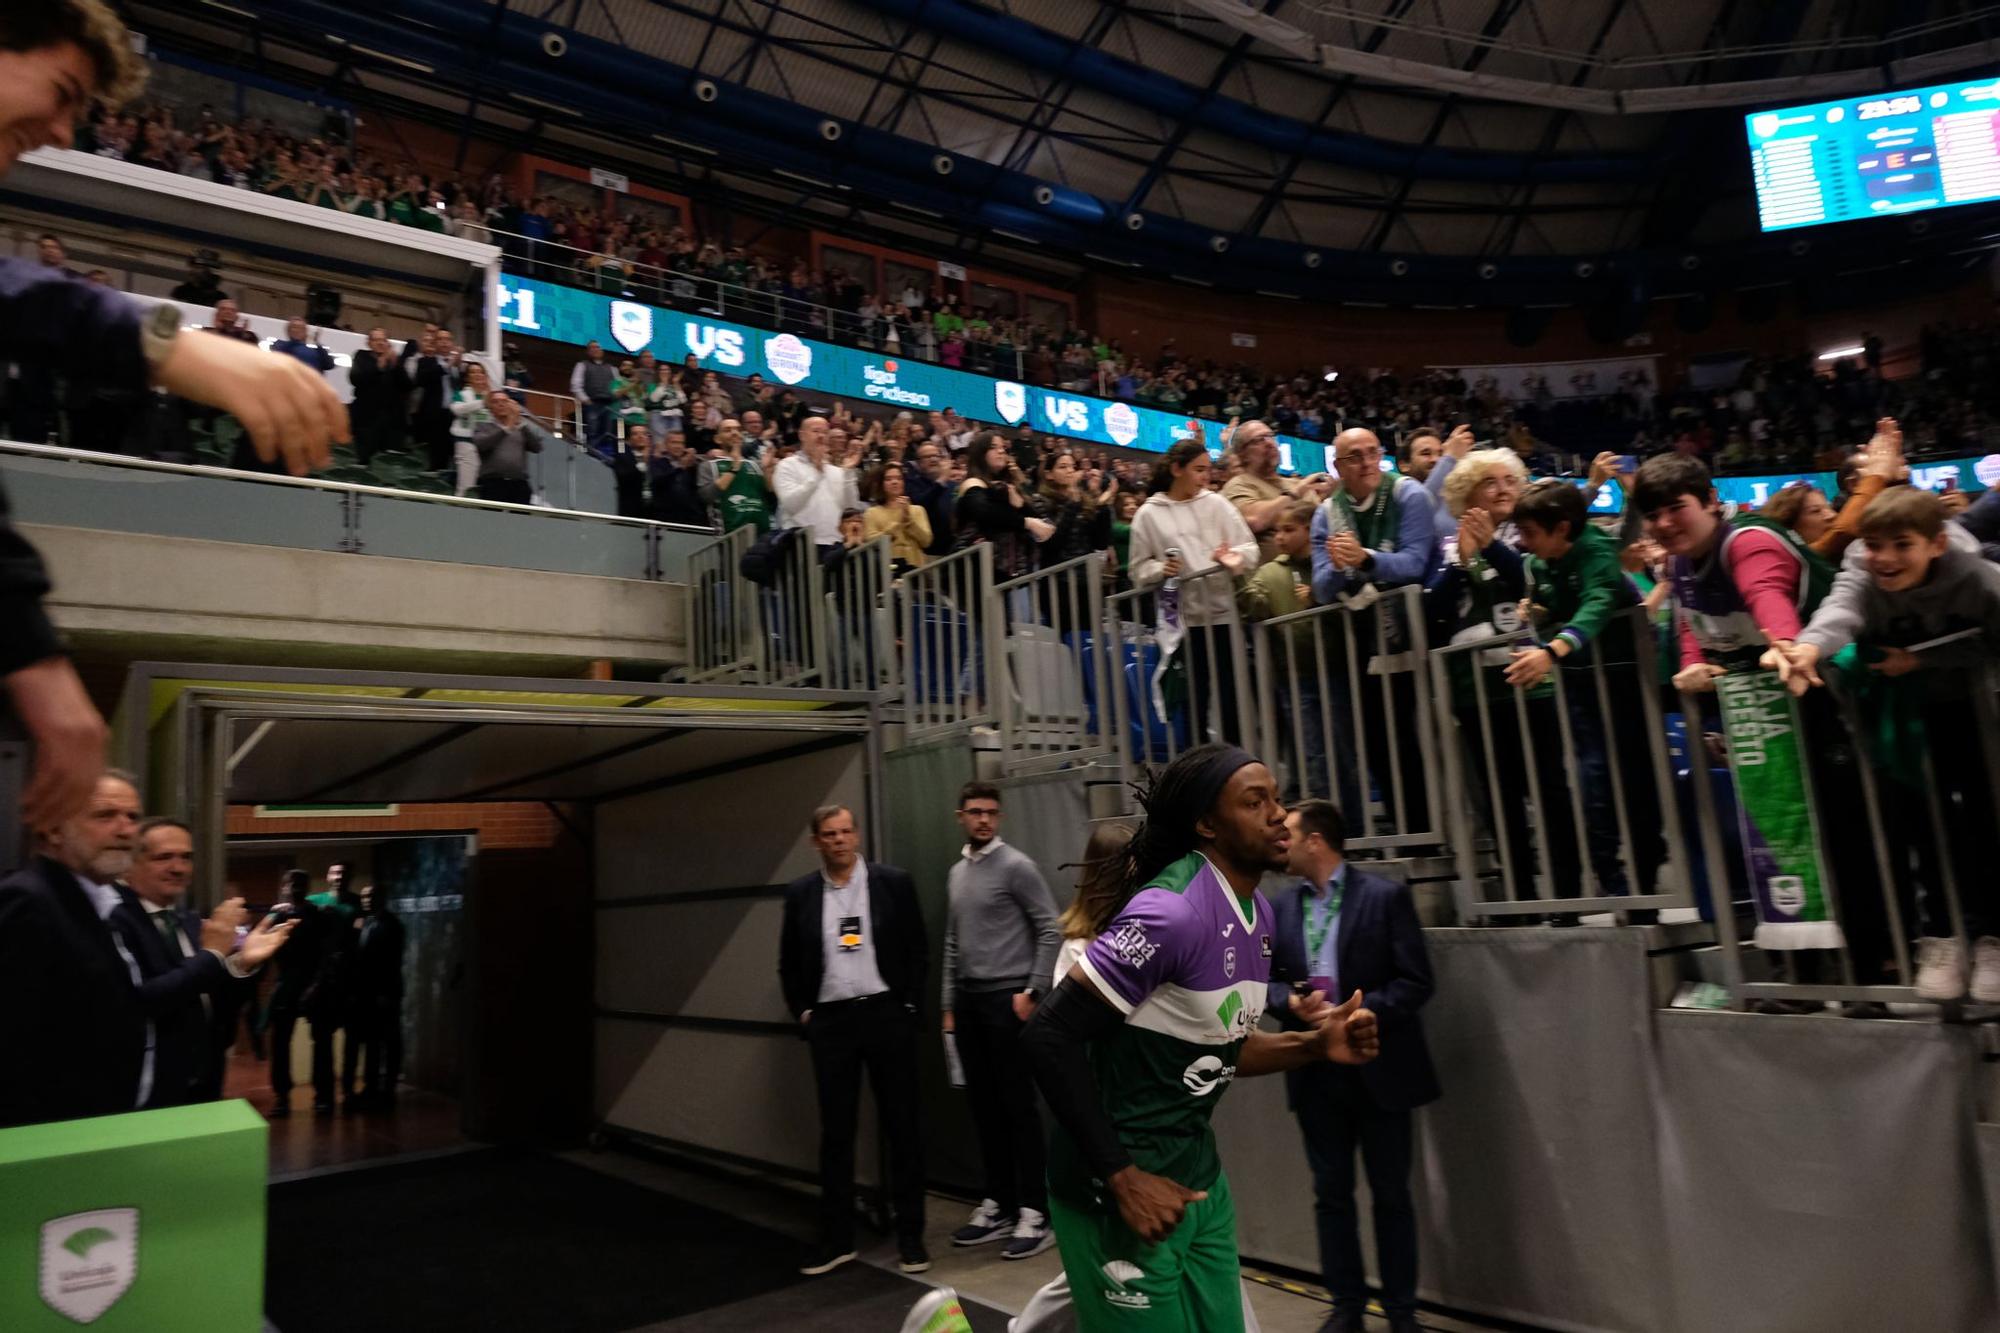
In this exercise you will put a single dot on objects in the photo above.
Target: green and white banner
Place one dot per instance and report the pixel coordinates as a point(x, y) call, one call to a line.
point(1774, 811)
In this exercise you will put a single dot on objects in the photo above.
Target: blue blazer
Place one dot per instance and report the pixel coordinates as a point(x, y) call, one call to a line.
point(1380, 953)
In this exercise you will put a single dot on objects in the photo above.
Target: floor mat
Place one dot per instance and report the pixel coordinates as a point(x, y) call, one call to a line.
point(503, 1242)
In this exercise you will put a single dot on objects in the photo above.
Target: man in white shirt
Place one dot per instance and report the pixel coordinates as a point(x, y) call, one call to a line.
point(813, 488)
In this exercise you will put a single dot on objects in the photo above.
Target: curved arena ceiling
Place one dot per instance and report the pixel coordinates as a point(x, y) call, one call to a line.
point(1522, 150)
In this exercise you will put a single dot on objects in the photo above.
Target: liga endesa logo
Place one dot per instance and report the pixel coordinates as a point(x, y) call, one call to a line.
point(882, 385)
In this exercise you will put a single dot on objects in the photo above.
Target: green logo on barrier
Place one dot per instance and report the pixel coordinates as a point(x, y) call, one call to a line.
point(82, 1242)
point(88, 1261)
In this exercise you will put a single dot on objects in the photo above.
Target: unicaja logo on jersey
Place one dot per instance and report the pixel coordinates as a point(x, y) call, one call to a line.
point(1121, 1274)
point(89, 1261)
point(1207, 1074)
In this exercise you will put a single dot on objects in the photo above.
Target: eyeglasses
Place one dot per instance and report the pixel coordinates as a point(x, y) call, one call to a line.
point(1359, 456)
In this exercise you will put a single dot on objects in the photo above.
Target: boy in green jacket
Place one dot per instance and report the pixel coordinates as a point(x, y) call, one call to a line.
point(1576, 586)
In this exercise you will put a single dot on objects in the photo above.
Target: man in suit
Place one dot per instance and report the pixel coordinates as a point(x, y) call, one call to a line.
point(375, 1005)
point(329, 1003)
point(75, 1036)
point(851, 961)
point(195, 973)
point(1341, 929)
point(73, 1041)
point(296, 996)
point(190, 981)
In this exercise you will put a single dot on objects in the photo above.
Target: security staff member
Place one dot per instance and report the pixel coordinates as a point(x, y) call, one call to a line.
point(851, 961)
point(56, 57)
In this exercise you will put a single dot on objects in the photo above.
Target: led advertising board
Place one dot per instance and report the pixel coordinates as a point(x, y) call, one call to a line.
point(565, 314)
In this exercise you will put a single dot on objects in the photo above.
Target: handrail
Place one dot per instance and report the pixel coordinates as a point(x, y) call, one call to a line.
point(826, 318)
point(60, 454)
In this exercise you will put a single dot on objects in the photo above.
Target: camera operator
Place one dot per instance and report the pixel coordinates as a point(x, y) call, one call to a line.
point(56, 57)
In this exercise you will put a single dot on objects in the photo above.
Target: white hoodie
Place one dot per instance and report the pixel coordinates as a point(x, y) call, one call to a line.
point(1197, 527)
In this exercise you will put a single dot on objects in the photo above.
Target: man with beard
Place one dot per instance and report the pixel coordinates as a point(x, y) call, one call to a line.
point(1134, 1049)
point(74, 1035)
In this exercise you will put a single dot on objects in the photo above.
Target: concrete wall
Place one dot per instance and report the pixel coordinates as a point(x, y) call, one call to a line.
point(142, 595)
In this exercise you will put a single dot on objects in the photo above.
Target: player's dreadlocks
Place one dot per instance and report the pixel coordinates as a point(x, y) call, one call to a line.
point(1174, 802)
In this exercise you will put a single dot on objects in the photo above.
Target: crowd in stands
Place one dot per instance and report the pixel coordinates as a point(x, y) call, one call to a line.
point(1778, 412)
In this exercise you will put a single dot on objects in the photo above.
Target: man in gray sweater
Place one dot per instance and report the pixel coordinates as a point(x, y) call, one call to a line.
point(1000, 944)
point(504, 444)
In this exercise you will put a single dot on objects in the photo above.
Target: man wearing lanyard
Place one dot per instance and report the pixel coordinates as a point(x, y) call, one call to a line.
point(851, 961)
point(1342, 927)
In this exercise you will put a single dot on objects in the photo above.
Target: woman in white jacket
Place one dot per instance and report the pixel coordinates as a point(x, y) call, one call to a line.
point(468, 414)
point(1183, 514)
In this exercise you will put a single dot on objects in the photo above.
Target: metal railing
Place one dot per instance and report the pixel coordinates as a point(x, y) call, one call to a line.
point(951, 641)
point(791, 638)
point(80, 488)
point(1178, 684)
point(860, 613)
point(1585, 793)
point(1053, 681)
point(1349, 680)
point(1894, 794)
point(594, 270)
point(1570, 783)
point(724, 635)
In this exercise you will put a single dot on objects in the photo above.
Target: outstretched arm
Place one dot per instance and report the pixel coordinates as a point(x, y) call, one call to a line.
point(1346, 1036)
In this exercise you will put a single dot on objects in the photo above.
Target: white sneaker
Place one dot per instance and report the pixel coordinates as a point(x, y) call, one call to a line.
point(1986, 970)
point(1940, 968)
point(1031, 1236)
point(988, 1223)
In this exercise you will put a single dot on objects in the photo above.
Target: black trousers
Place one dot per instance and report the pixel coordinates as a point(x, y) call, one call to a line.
point(1002, 1089)
point(1388, 723)
point(375, 432)
point(512, 489)
point(374, 1046)
point(1212, 684)
point(1510, 805)
point(879, 1035)
point(283, 1019)
point(1337, 1116)
point(432, 429)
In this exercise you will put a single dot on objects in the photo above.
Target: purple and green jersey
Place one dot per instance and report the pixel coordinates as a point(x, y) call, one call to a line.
point(1187, 962)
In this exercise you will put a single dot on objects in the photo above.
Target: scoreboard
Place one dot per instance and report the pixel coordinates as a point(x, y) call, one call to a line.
point(1872, 156)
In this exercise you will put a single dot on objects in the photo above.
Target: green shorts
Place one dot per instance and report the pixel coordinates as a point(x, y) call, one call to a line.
point(1189, 1283)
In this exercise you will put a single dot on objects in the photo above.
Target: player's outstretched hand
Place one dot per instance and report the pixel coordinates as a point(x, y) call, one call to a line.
point(1151, 1205)
point(1349, 1034)
point(285, 406)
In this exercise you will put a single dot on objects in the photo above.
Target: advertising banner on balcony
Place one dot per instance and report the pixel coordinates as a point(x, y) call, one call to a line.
point(565, 314)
